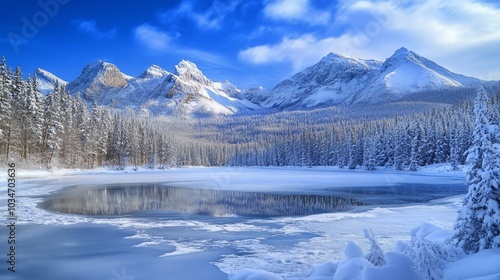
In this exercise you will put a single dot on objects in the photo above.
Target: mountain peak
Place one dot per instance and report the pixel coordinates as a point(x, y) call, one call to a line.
point(403, 55)
point(332, 55)
point(402, 50)
point(42, 72)
point(154, 71)
point(189, 71)
point(97, 78)
point(339, 59)
point(186, 66)
point(47, 80)
point(99, 66)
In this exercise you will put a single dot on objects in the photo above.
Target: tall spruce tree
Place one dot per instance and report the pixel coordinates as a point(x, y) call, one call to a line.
point(478, 223)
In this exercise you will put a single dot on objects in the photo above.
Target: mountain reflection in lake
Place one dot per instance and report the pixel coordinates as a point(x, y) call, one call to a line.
point(115, 200)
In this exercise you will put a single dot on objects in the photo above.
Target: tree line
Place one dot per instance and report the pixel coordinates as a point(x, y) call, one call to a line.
point(63, 130)
point(60, 130)
point(439, 135)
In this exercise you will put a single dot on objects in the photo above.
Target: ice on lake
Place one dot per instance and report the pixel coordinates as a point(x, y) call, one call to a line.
point(192, 224)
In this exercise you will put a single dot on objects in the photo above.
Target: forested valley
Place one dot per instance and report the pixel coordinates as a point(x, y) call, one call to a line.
point(65, 131)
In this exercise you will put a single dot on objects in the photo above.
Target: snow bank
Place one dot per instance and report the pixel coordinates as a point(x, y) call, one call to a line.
point(484, 265)
point(253, 274)
point(480, 266)
point(399, 266)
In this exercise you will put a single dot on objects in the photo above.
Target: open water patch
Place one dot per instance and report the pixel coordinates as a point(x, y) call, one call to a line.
point(400, 194)
point(122, 199)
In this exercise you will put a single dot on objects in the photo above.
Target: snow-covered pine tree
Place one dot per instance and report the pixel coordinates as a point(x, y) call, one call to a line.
point(454, 149)
point(414, 156)
point(37, 112)
point(52, 127)
point(4, 101)
point(369, 157)
point(430, 257)
point(478, 223)
point(400, 149)
point(5, 109)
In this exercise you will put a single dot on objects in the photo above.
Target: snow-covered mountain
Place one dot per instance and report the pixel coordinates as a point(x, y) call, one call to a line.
point(47, 80)
point(187, 91)
point(154, 72)
point(406, 72)
point(334, 80)
point(97, 81)
point(330, 81)
point(338, 79)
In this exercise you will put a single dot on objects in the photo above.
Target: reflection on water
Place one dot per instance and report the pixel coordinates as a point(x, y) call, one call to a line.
point(114, 200)
point(401, 194)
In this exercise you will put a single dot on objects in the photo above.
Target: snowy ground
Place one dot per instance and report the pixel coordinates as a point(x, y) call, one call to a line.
point(167, 245)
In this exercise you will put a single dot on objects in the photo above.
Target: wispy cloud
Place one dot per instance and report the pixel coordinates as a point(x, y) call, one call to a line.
point(207, 57)
point(152, 37)
point(90, 27)
point(300, 52)
point(296, 10)
point(457, 34)
point(211, 17)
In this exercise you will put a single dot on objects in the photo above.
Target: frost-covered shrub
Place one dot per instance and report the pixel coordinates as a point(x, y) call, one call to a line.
point(429, 252)
point(376, 254)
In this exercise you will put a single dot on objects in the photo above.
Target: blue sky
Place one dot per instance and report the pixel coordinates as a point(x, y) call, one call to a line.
point(250, 43)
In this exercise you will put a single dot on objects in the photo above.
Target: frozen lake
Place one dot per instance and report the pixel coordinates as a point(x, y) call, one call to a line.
point(206, 223)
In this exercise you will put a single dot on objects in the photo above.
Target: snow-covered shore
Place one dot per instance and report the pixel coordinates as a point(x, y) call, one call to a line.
point(288, 247)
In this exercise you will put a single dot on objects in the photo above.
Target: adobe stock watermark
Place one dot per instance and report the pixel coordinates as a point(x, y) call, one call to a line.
point(363, 36)
point(121, 275)
point(31, 26)
point(222, 177)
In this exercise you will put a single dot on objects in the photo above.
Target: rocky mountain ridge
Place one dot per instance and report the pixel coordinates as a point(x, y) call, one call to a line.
point(334, 80)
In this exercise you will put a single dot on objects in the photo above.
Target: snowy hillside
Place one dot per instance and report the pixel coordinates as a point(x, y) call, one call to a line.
point(47, 80)
point(338, 79)
point(185, 92)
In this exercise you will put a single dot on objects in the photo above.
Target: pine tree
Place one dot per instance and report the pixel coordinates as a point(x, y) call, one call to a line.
point(369, 156)
point(478, 223)
point(454, 150)
point(52, 127)
point(5, 109)
point(414, 154)
point(37, 113)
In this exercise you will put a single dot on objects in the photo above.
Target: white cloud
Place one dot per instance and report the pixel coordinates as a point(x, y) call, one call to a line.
point(212, 59)
point(295, 10)
point(90, 27)
point(209, 18)
point(152, 37)
point(460, 35)
point(301, 52)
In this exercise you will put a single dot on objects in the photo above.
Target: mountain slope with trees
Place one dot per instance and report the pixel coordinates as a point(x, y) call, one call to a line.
point(63, 130)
